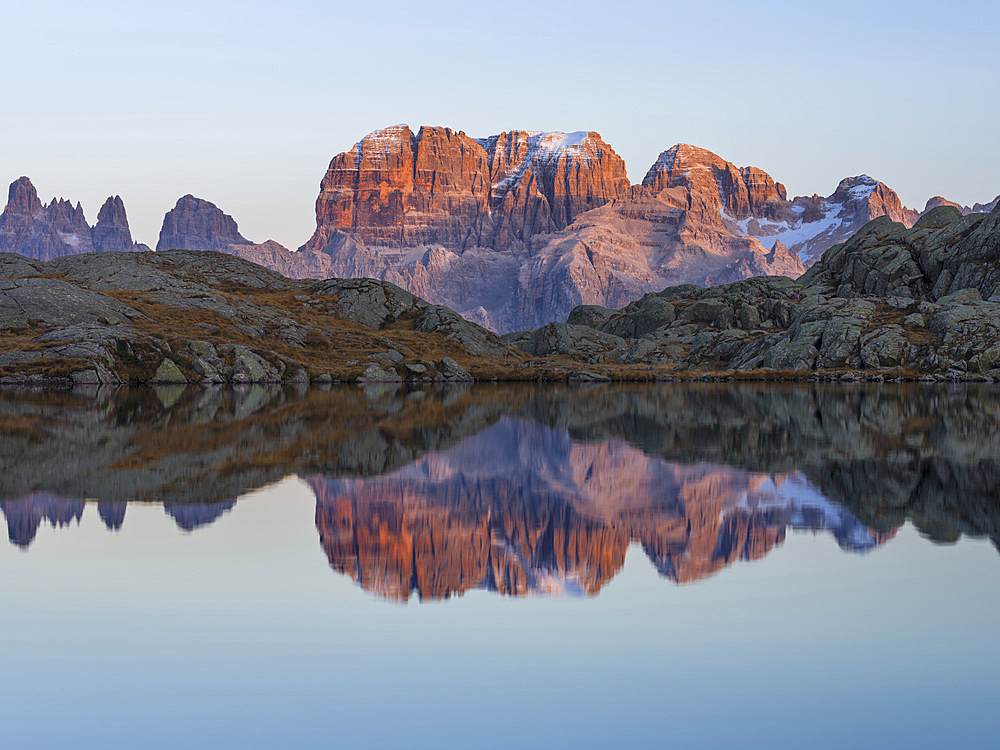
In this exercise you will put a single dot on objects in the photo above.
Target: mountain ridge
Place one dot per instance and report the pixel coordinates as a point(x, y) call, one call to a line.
point(512, 230)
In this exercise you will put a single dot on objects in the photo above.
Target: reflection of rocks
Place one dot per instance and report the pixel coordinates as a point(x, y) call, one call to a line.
point(211, 445)
point(113, 514)
point(554, 505)
point(523, 509)
point(24, 516)
point(189, 516)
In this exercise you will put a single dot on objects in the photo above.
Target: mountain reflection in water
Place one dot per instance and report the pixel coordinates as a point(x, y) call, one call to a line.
point(521, 490)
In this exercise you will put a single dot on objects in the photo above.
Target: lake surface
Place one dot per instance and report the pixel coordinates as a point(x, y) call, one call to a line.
point(494, 566)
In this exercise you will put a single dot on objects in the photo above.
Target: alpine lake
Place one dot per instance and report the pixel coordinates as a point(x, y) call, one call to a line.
point(687, 565)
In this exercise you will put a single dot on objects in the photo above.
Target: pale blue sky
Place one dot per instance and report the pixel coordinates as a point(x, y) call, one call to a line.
point(244, 103)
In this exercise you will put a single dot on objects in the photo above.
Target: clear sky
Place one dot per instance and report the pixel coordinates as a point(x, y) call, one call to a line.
point(244, 103)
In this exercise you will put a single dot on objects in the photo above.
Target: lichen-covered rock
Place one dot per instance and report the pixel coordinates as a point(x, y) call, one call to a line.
point(579, 342)
point(884, 347)
point(26, 302)
point(589, 315)
point(168, 372)
point(377, 374)
point(640, 317)
point(450, 370)
point(476, 340)
point(367, 302)
point(247, 366)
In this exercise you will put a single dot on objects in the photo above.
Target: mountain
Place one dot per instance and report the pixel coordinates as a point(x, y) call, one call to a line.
point(397, 189)
point(47, 231)
point(748, 202)
point(516, 229)
point(922, 301)
point(978, 208)
point(197, 224)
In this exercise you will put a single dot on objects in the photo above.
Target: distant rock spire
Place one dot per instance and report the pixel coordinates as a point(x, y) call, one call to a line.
point(197, 224)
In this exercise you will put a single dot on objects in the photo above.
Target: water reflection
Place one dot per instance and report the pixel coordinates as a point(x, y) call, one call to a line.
point(521, 508)
point(521, 490)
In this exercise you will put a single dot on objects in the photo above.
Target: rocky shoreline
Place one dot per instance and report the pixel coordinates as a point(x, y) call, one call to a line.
point(891, 303)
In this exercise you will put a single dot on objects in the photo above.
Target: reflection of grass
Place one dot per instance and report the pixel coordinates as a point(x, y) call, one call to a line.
point(297, 433)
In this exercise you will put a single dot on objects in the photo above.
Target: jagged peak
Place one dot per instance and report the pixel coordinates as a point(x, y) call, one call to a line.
point(860, 186)
point(378, 139)
point(683, 152)
point(23, 193)
point(112, 208)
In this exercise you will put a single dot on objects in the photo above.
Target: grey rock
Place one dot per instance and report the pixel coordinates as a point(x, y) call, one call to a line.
point(452, 371)
point(589, 315)
point(168, 372)
point(579, 342)
point(375, 374)
point(474, 339)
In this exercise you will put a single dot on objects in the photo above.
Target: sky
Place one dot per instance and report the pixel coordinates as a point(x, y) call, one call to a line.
point(245, 103)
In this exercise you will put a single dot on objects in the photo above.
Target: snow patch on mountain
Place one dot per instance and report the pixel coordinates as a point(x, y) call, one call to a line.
point(378, 141)
point(798, 236)
point(806, 508)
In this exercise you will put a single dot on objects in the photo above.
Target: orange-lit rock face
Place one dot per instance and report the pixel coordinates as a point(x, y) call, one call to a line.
point(521, 509)
point(714, 184)
point(747, 201)
point(438, 186)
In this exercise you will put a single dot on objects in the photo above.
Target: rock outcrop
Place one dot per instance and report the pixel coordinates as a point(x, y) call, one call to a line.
point(46, 231)
point(194, 316)
point(197, 224)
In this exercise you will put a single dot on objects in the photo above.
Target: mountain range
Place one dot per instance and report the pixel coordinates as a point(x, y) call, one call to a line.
point(512, 231)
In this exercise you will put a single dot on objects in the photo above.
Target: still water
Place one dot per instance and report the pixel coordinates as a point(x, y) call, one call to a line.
point(693, 566)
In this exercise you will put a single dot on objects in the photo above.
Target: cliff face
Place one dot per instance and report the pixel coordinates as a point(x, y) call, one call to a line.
point(197, 224)
point(440, 187)
point(47, 231)
point(516, 229)
point(112, 231)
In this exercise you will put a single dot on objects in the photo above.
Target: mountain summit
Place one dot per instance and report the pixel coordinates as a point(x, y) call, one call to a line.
point(47, 231)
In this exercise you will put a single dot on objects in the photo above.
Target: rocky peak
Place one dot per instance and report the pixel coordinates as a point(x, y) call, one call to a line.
point(867, 199)
point(112, 233)
point(939, 200)
point(22, 198)
point(395, 189)
point(714, 183)
point(41, 231)
point(570, 173)
point(197, 224)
